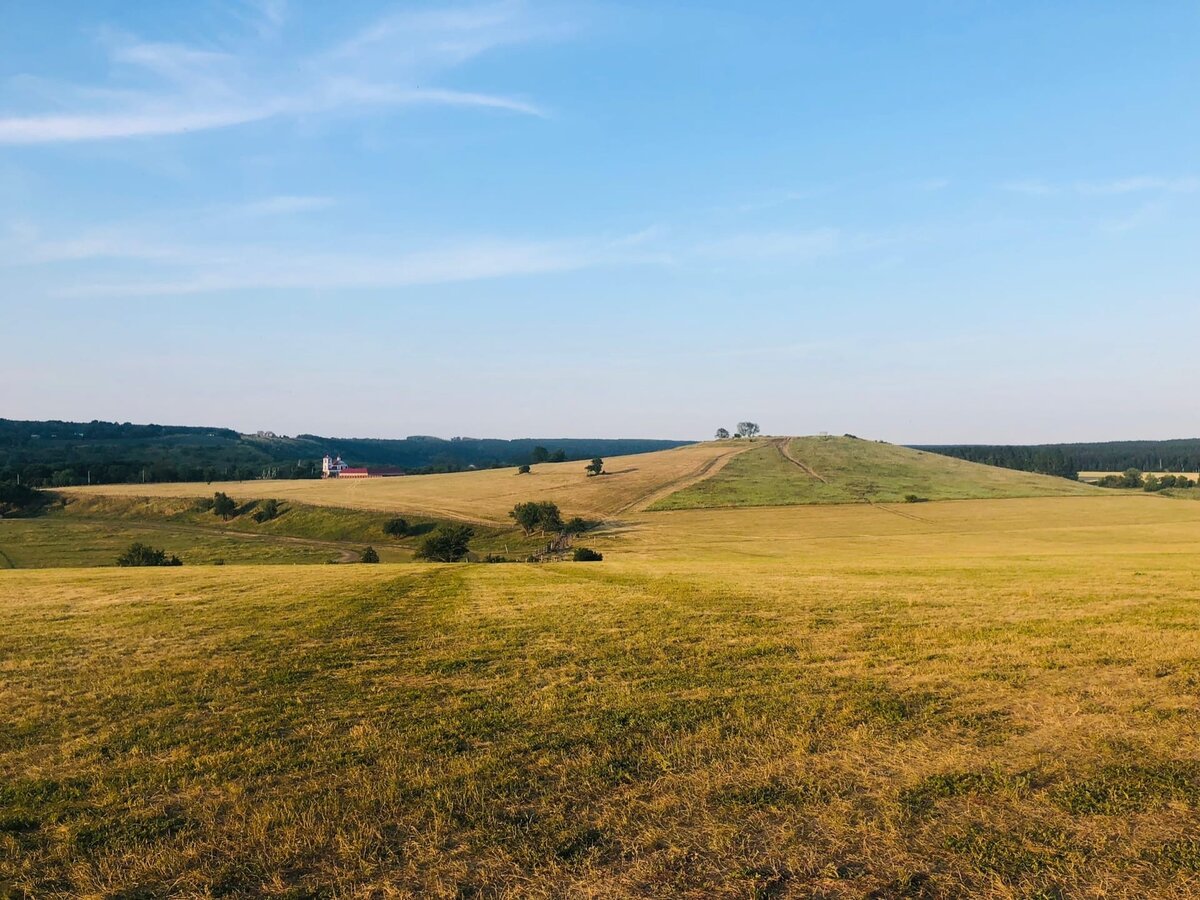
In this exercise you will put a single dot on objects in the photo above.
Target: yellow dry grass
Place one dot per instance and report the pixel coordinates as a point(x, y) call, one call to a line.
point(483, 496)
point(995, 698)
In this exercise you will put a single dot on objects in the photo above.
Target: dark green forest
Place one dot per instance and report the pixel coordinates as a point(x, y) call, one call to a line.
point(58, 454)
point(1068, 460)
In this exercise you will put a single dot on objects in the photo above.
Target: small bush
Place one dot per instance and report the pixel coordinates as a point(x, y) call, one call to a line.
point(140, 554)
point(522, 470)
point(396, 527)
point(586, 554)
point(496, 558)
point(913, 498)
point(577, 525)
point(267, 511)
point(369, 556)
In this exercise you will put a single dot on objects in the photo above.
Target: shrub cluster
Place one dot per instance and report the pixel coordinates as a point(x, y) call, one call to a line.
point(396, 527)
point(267, 510)
point(144, 555)
point(534, 516)
point(448, 543)
point(1134, 479)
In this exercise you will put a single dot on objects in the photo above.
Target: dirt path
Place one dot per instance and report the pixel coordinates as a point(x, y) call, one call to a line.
point(707, 469)
point(783, 445)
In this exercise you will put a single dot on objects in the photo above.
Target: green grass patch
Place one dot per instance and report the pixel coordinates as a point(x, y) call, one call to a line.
point(849, 470)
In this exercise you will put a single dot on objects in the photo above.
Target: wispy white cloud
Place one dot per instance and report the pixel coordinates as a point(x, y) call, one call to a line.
point(184, 89)
point(1184, 184)
point(259, 268)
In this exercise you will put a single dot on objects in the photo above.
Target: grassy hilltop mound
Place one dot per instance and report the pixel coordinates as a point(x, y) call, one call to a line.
point(795, 471)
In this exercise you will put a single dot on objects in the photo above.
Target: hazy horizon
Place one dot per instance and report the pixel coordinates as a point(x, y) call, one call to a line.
point(929, 224)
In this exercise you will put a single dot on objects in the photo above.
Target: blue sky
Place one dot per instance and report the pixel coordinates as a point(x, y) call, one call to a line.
point(923, 222)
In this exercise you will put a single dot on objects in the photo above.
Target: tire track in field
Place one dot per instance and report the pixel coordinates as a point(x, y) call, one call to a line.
point(707, 469)
point(784, 447)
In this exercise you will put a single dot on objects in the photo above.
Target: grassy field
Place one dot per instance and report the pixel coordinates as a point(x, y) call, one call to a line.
point(484, 496)
point(997, 698)
point(849, 470)
point(987, 697)
point(92, 529)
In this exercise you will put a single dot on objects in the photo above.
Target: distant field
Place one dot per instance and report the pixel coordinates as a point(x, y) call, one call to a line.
point(848, 470)
point(994, 700)
point(484, 496)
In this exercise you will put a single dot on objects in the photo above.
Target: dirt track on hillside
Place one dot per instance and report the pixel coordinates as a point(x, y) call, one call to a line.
point(708, 469)
point(783, 445)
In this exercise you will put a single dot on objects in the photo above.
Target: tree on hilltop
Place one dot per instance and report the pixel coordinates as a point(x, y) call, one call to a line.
point(747, 429)
point(722, 434)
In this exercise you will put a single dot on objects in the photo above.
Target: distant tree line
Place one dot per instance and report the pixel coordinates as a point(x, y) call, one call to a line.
point(60, 454)
point(1068, 460)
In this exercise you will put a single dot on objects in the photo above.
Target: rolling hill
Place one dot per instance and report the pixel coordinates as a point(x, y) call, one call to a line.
point(774, 472)
point(794, 471)
point(483, 496)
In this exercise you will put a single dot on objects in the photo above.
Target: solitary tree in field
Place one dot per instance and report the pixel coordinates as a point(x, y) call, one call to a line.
point(747, 429)
point(224, 505)
point(447, 544)
point(595, 467)
point(369, 555)
point(534, 516)
point(396, 527)
point(722, 434)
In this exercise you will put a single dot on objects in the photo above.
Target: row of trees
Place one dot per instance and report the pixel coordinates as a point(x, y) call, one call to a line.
point(1134, 479)
point(135, 471)
point(744, 430)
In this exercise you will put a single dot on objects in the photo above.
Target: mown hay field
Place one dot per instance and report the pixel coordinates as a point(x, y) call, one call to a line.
point(484, 496)
point(987, 698)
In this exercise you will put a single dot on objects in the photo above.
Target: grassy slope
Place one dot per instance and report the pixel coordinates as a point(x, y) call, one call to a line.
point(484, 496)
point(994, 701)
point(92, 529)
point(856, 470)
